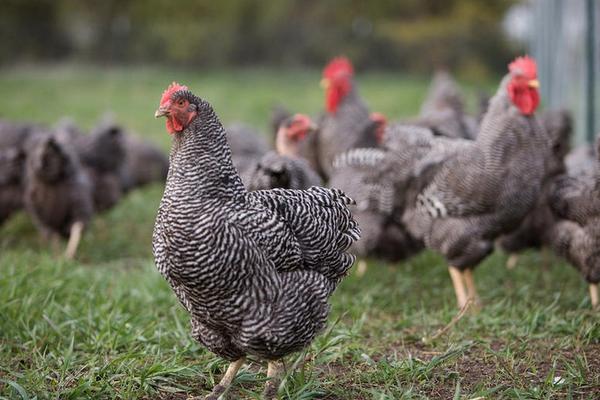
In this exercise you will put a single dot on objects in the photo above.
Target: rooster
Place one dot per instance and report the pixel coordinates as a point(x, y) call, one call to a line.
point(483, 188)
point(535, 230)
point(346, 123)
point(253, 269)
point(286, 168)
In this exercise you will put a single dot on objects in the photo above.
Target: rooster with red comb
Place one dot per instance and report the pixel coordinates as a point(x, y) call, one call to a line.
point(346, 123)
point(481, 189)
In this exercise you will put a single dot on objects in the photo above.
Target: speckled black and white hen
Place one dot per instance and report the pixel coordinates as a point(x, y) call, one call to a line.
point(285, 167)
point(575, 201)
point(487, 188)
point(253, 269)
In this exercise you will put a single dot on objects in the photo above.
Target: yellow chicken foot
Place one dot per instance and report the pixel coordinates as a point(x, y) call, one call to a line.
point(226, 380)
point(471, 289)
point(459, 286)
point(274, 371)
point(74, 239)
point(512, 261)
point(594, 295)
point(361, 269)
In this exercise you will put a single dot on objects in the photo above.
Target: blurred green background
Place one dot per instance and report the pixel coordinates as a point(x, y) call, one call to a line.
point(409, 35)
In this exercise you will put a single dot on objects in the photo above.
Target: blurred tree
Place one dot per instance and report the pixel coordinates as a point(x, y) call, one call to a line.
point(411, 34)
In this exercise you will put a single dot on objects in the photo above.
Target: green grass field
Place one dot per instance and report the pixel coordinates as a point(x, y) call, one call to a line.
point(107, 326)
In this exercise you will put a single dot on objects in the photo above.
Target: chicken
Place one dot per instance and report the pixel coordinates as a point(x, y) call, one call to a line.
point(103, 153)
point(253, 269)
point(486, 187)
point(581, 162)
point(575, 201)
point(144, 163)
point(247, 146)
point(376, 179)
point(346, 123)
point(285, 168)
point(443, 109)
point(278, 115)
point(536, 230)
point(12, 161)
point(57, 194)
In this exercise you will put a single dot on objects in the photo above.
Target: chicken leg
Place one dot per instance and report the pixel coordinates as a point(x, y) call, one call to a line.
point(225, 382)
point(512, 261)
point(594, 294)
point(361, 269)
point(74, 238)
point(459, 286)
point(471, 289)
point(274, 371)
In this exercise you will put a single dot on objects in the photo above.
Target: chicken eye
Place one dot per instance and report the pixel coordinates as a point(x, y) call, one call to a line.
point(181, 103)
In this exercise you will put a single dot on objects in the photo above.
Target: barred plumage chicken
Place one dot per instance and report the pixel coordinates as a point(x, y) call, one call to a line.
point(443, 110)
point(575, 201)
point(285, 167)
point(536, 229)
point(486, 188)
point(253, 269)
point(346, 123)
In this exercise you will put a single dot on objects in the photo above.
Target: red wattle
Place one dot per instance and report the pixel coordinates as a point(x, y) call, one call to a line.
point(173, 126)
point(525, 99)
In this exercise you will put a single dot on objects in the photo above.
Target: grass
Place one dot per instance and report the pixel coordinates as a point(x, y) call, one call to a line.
point(108, 326)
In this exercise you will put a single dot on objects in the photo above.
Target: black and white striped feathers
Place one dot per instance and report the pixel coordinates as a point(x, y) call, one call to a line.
point(253, 269)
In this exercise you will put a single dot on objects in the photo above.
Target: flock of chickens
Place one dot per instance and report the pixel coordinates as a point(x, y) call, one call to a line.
point(458, 184)
point(252, 240)
point(253, 244)
point(62, 177)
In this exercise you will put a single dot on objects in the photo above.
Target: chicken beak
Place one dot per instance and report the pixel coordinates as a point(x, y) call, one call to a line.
point(324, 83)
point(161, 112)
point(534, 83)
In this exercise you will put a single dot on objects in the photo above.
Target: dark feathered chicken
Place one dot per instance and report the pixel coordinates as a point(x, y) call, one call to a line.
point(576, 236)
point(58, 195)
point(102, 154)
point(279, 114)
point(144, 164)
point(247, 146)
point(253, 269)
point(346, 123)
point(489, 186)
point(536, 229)
point(443, 110)
point(286, 168)
point(12, 162)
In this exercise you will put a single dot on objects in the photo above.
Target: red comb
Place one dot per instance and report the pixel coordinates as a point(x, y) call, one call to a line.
point(173, 87)
point(339, 65)
point(525, 66)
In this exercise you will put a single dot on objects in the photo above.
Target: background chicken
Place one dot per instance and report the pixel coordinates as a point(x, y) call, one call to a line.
point(285, 167)
point(346, 123)
point(536, 229)
point(489, 186)
point(575, 200)
point(12, 162)
point(254, 269)
point(57, 195)
point(443, 110)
